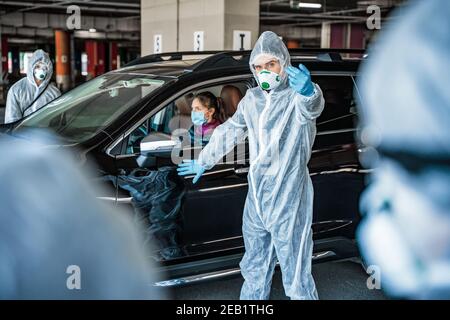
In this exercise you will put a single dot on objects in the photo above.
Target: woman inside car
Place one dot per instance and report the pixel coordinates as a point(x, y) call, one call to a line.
point(207, 114)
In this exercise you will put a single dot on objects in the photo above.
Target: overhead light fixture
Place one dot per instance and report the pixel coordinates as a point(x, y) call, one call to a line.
point(309, 5)
point(92, 30)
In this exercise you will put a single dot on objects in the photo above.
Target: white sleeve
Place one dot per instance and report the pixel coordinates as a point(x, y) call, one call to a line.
point(12, 110)
point(309, 108)
point(224, 138)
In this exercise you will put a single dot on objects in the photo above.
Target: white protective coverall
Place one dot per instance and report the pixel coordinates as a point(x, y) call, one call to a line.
point(23, 92)
point(278, 212)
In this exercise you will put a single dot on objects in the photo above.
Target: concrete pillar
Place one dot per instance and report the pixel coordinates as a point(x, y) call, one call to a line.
point(241, 17)
point(4, 57)
point(73, 61)
point(113, 52)
point(186, 25)
point(100, 58)
point(205, 16)
point(15, 56)
point(293, 44)
point(159, 18)
point(96, 54)
point(62, 50)
point(3, 67)
point(91, 52)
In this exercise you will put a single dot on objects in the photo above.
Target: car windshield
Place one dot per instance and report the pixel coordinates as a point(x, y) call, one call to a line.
point(81, 113)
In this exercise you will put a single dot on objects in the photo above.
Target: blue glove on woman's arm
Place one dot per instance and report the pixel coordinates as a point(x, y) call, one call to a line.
point(300, 80)
point(188, 167)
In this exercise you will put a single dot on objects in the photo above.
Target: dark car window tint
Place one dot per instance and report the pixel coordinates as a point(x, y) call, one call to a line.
point(340, 106)
point(83, 112)
point(177, 114)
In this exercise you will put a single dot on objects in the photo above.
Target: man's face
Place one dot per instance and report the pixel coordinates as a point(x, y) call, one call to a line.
point(40, 65)
point(270, 64)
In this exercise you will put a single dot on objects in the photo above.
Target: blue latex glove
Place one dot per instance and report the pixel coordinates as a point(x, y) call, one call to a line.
point(300, 80)
point(188, 167)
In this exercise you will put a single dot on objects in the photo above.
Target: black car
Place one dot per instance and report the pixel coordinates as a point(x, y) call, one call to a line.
point(196, 229)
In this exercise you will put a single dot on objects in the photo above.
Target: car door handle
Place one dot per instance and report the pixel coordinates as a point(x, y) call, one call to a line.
point(126, 200)
point(242, 170)
point(109, 199)
point(118, 200)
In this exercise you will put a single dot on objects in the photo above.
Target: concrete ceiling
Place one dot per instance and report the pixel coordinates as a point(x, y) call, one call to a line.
point(104, 8)
point(286, 13)
point(36, 20)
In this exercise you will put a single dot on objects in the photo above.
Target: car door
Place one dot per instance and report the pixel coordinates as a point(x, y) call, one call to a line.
point(183, 220)
point(337, 175)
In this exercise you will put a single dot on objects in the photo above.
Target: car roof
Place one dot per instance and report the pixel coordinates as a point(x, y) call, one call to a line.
point(177, 64)
point(164, 68)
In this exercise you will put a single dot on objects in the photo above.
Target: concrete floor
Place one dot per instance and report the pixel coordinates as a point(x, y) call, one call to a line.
point(344, 280)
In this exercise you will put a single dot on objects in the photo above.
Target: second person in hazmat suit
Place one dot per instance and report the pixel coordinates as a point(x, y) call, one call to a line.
point(278, 117)
point(32, 92)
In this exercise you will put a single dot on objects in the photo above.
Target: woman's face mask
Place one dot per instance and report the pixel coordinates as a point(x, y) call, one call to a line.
point(198, 118)
point(269, 80)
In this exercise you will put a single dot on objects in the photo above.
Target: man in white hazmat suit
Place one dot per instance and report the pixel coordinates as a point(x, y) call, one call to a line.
point(278, 117)
point(32, 92)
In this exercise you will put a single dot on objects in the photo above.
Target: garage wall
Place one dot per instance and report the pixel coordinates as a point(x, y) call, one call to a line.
point(158, 17)
point(202, 15)
point(217, 19)
point(241, 15)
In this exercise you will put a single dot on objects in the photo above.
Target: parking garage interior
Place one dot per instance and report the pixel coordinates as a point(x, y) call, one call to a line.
point(88, 40)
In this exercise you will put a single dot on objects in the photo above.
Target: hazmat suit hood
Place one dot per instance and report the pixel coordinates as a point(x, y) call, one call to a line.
point(270, 44)
point(40, 56)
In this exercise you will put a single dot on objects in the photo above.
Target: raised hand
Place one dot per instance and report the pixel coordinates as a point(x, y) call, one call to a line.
point(300, 80)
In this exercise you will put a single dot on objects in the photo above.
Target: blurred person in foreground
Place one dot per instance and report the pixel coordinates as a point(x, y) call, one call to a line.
point(405, 114)
point(51, 224)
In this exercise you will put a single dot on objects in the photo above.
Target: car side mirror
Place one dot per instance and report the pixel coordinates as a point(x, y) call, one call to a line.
point(156, 145)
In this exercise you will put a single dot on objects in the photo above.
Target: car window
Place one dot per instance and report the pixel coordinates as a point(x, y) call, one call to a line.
point(88, 109)
point(340, 105)
point(176, 116)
